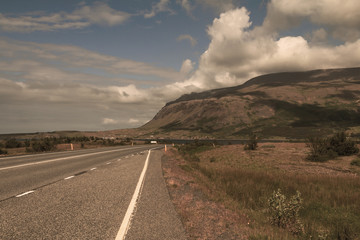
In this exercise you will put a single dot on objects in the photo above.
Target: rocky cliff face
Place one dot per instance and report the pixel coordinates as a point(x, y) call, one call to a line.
point(285, 105)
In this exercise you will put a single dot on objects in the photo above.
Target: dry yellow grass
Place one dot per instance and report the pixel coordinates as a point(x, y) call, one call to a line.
point(244, 181)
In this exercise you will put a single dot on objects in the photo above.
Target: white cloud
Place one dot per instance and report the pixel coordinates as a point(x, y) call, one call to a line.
point(51, 76)
point(27, 75)
point(340, 18)
point(101, 14)
point(319, 36)
point(192, 40)
point(109, 121)
point(134, 121)
point(98, 13)
point(216, 5)
point(161, 6)
point(236, 52)
point(187, 67)
point(186, 5)
point(32, 58)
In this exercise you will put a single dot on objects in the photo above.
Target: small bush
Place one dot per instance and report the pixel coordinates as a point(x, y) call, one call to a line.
point(342, 145)
point(323, 149)
point(42, 146)
point(3, 152)
point(285, 214)
point(251, 143)
point(12, 143)
point(355, 162)
point(320, 150)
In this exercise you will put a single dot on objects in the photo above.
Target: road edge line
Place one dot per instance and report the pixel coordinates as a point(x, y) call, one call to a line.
point(125, 225)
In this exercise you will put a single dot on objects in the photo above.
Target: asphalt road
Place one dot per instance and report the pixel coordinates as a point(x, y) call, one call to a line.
point(85, 195)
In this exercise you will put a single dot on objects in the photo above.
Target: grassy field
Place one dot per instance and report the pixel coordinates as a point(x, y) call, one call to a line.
point(245, 180)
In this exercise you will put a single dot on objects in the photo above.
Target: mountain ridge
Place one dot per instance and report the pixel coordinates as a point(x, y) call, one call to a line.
point(276, 105)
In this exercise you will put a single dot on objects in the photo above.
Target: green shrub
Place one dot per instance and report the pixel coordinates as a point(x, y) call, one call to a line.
point(323, 149)
point(12, 143)
point(320, 150)
point(189, 150)
point(355, 162)
point(42, 146)
point(2, 152)
point(342, 145)
point(285, 214)
point(251, 144)
point(27, 143)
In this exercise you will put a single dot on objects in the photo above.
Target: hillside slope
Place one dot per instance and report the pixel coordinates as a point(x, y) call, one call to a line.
point(280, 105)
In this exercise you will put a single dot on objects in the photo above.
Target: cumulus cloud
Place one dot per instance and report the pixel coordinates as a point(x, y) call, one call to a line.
point(188, 37)
point(99, 13)
point(238, 52)
point(161, 6)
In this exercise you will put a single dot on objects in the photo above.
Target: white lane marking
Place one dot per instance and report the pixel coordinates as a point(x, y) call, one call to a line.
point(93, 169)
point(129, 213)
point(64, 158)
point(119, 160)
point(25, 193)
point(108, 163)
point(69, 178)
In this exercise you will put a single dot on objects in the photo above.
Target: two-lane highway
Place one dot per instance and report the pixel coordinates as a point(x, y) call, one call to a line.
point(113, 193)
point(26, 173)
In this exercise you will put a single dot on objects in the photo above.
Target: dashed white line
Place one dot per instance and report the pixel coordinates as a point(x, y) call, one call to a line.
point(65, 158)
point(108, 163)
point(69, 178)
point(93, 169)
point(25, 193)
point(125, 225)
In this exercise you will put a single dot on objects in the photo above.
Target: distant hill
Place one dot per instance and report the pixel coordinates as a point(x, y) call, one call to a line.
point(280, 105)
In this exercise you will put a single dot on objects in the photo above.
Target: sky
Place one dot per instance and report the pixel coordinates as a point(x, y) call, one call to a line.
point(110, 64)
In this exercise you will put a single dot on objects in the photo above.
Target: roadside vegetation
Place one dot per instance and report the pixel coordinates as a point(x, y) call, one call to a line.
point(252, 143)
point(285, 195)
point(323, 149)
point(48, 144)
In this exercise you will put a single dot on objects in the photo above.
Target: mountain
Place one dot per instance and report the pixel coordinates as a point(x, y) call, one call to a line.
point(280, 105)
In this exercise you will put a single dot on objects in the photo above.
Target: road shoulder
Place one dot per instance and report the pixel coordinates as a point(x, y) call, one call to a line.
point(202, 217)
point(155, 216)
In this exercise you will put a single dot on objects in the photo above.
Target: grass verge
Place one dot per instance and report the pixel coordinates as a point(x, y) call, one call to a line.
point(330, 207)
